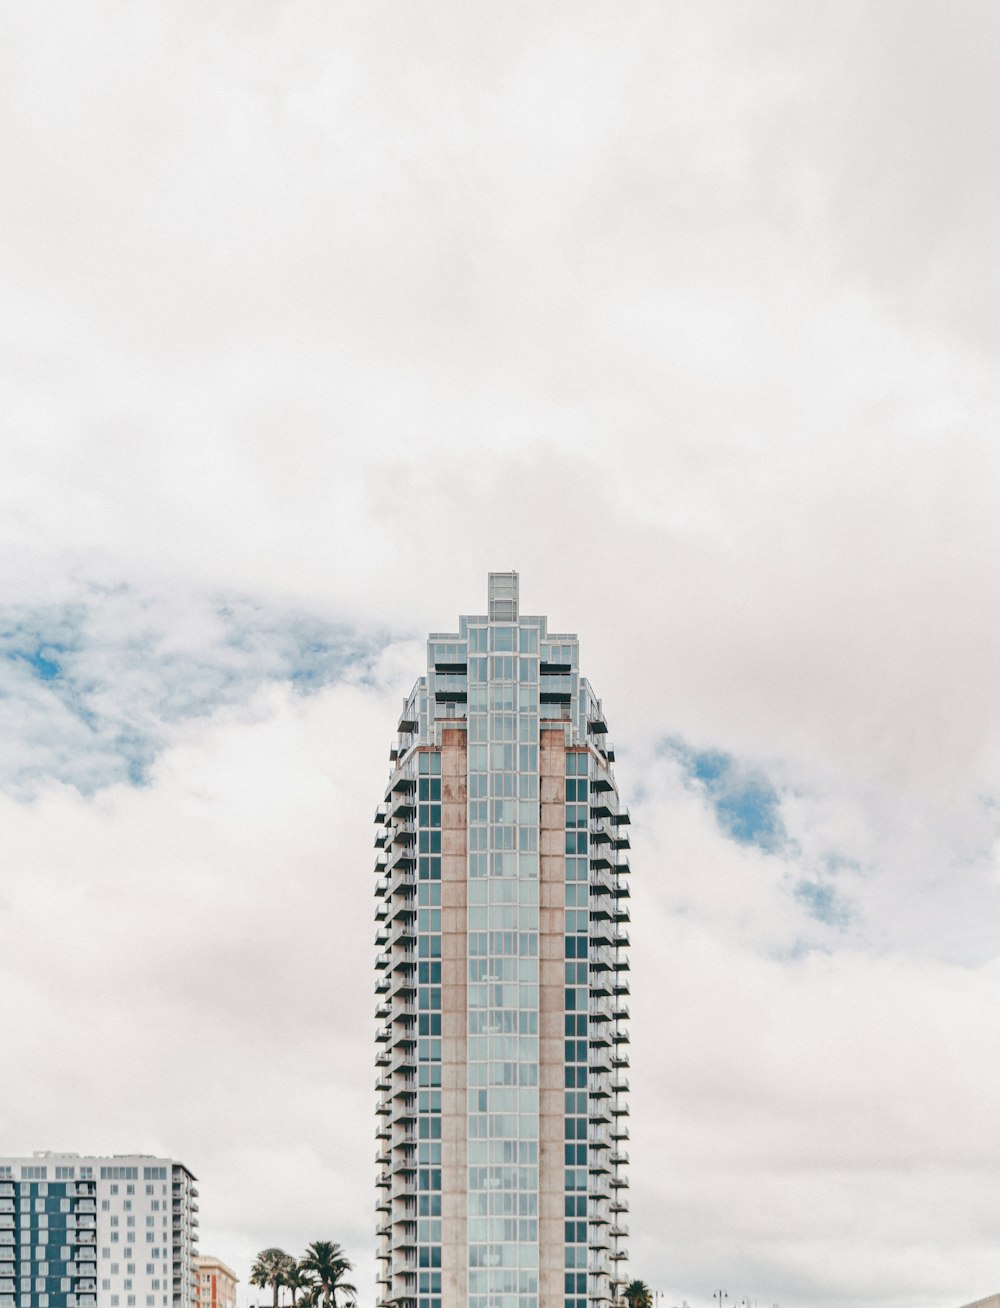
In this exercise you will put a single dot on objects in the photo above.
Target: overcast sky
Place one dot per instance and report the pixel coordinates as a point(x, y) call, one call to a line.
point(311, 314)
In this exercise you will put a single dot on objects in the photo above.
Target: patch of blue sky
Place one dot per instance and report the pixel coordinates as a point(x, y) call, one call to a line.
point(824, 902)
point(87, 690)
point(747, 806)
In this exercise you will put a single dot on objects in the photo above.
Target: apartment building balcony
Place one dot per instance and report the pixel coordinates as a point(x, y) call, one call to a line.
point(619, 1059)
point(619, 1108)
point(620, 940)
point(619, 1130)
point(382, 961)
point(405, 833)
point(620, 1158)
point(401, 859)
point(618, 1254)
point(382, 1011)
point(621, 984)
point(402, 956)
point(600, 862)
point(404, 1083)
point(619, 1182)
point(619, 1085)
point(401, 909)
point(619, 1231)
point(401, 883)
point(600, 1113)
point(382, 887)
point(402, 808)
point(601, 959)
point(599, 1061)
point(623, 867)
point(600, 931)
point(383, 1058)
point(383, 1107)
point(402, 782)
point(401, 985)
point(381, 835)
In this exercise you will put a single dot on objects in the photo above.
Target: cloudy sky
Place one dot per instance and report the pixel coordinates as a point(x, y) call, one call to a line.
point(314, 312)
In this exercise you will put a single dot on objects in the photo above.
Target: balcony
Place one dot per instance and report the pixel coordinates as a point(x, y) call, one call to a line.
point(402, 859)
point(401, 908)
point(601, 960)
point(402, 807)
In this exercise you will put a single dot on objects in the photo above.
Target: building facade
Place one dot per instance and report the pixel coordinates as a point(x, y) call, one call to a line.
point(215, 1283)
point(97, 1232)
point(502, 979)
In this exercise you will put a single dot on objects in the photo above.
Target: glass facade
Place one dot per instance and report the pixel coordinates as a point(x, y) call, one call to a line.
point(501, 897)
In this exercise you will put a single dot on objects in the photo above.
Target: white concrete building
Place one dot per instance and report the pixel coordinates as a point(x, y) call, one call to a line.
point(97, 1232)
point(502, 979)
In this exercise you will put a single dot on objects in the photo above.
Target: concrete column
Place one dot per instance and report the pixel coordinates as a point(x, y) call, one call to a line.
point(551, 1016)
point(454, 1017)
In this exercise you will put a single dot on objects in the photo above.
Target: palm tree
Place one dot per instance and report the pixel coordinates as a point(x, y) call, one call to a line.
point(300, 1282)
point(637, 1294)
point(270, 1268)
point(326, 1263)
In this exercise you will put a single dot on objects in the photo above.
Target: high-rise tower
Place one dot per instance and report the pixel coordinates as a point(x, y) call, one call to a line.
point(502, 904)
